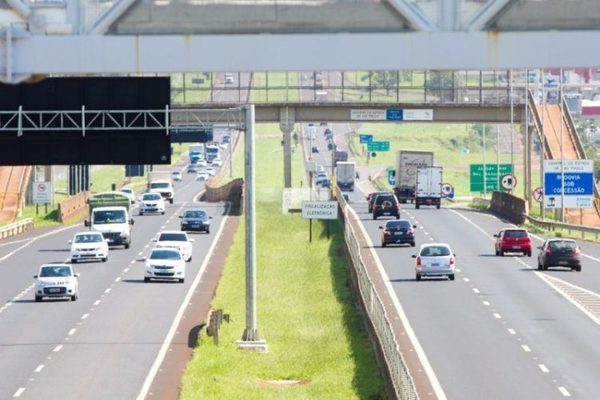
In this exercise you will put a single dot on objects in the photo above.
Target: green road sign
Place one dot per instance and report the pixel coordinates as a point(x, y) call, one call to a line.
point(492, 176)
point(378, 146)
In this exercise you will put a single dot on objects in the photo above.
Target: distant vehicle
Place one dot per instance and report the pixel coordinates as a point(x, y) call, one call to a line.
point(329, 146)
point(229, 78)
point(428, 189)
point(202, 176)
point(340, 155)
point(323, 123)
point(513, 241)
point(371, 199)
point(161, 182)
point(177, 176)
point(407, 162)
point(312, 132)
point(152, 202)
point(314, 149)
point(386, 204)
point(175, 240)
point(196, 151)
point(88, 246)
point(226, 139)
point(216, 162)
point(129, 192)
point(195, 220)
point(56, 280)
point(165, 263)
point(398, 232)
point(191, 169)
point(345, 175)
point(320, 177)
point(435, 259)
point(210, 171)
point(109, 215)
point(326, 183)
point(212, 151)
point(328, 132)
point(559, 253)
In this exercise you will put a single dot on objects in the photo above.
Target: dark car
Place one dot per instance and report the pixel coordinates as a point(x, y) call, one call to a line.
point(398, 231)
point(328, 132)
point(192, 169)
point(386, 204)
point(315, 149)
point(513, 241)
point(326, 183)
point(559, 253)
point(329, 146)
point(195, 220)
point(371, 199)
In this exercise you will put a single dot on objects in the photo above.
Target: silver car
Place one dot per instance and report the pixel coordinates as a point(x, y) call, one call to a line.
point(435, 259)
point(56, 280)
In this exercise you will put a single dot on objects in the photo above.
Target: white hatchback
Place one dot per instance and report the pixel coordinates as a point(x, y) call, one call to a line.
point(152, 202)
point(129, 192)
point(175, 240)
point(88, 246)
point(435, 259)
point(165, 263)
point(56, 280)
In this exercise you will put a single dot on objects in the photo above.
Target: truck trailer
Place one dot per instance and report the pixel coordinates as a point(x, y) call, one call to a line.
point(407, 162)
point(429, 187)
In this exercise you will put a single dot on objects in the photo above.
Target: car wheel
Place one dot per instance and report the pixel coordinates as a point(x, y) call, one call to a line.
point(105, 259)
point(497, 253)
point(417, 206)
point(382, 244)
point(412, 244)
point(501, 253)
point(397, 216)
point(181, 280)
point(451, 277)
point(146, 279)
point(528, 254)
point(141, 213)
point(127, 245)
point(74, 297)
point(207, 231)
point(170, 201)
point(163, 213)
point(544, 267)
point(38, 299)
point(189, 259)
point(374, 216)
point(438, 207)
point(418, 277)
point(73, 261)
point(578, 268)
point(540, 267)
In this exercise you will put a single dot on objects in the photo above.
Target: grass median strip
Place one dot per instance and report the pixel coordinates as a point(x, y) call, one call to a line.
point(318, 344)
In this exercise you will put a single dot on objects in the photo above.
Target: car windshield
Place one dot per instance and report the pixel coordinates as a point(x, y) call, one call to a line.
point(398, 224)
point(172, 237)
point(562, 245)
point(515, 234)
point(55, 271)
point(151, 196)
point(435, 251)
point(194, 214)
point(127, 190)
point(88, 238)
point(165, 255)
point(159, 185)
point(109, 217)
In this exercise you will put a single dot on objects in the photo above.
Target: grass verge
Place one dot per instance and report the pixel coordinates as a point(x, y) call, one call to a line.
point(318, 345)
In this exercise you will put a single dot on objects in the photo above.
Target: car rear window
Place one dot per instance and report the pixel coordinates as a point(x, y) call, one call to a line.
point(380, 199)
point(435, 251)
point(172, 237)
point(194, 214)
point(515, 234)
point(562, 244)
point(398, 224)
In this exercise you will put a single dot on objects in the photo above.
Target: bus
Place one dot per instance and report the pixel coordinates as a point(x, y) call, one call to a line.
point(212, 151)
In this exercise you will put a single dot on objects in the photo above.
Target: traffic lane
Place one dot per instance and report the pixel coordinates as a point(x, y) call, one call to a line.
point(547, 324)
point(122, 334)
point(31, 326)
point(452, 324)
point(588, 278)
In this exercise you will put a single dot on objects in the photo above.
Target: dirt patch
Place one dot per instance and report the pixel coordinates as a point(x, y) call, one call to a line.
point(275, 383)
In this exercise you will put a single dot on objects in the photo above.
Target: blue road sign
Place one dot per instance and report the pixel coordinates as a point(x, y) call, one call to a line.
point(365, 138)
point(576, 184)
point(394, 115)
point(391, 177)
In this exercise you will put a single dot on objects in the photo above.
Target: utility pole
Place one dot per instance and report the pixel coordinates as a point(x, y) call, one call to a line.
point(562, 150)
point(512, 120)
point(484, 166)
point(543, 136)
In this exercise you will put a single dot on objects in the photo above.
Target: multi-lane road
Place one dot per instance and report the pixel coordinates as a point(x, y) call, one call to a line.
point(105, 345)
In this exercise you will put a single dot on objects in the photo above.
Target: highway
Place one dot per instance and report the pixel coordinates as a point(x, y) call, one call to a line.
point(104, 345)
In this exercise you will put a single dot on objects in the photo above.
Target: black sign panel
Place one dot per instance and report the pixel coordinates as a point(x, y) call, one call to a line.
point(109, 146)
point(191, 134)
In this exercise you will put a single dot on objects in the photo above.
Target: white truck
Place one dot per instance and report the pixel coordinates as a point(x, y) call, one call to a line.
point(429, 187)
point(345, 175)
point(109, 214)
point(407, 162)
point(161, 182)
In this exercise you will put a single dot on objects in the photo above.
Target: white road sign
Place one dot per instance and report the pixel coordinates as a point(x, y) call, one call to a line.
point(368, 115)
point(42, 192)
point(508, 182)
point(319, 209)
point(418, 115)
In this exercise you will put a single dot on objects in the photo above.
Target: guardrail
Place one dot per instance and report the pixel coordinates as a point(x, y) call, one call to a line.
point(401, 379)
point(16, 228)
point(554, 226)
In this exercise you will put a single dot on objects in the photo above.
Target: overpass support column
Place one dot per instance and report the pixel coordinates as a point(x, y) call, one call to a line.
point(287, 119)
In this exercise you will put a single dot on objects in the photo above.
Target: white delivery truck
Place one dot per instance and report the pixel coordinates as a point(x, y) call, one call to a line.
point(161, 182)
point(429, 187)
point(109, 214)
point(344, 175)
point(407, 162)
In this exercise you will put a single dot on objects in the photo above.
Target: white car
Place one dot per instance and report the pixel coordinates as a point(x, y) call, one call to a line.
point(210, 171)
point(165, 263)
point(202, 176)
point(175, 240)
point(88, 245)
point(152, 202)
point(129, 192)
point(435, 259)
point(177, 175)
point(228, 78)
point(216, 162)
point(56, 280)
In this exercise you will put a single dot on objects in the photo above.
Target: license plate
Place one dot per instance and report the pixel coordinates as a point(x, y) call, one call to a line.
point(397, 233)
point(516, 247)
point(53, 290)
point(435, 264)
point(563, 262)
point(387, 212)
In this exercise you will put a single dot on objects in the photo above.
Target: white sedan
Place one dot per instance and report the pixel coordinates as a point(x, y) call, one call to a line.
point(177, 176)
point(88, 246)
point(165, 263)
point(216, 162)
point(202, 176)
point(175, 240)
point(56, 280)
point(210, 171)
point(152, 202)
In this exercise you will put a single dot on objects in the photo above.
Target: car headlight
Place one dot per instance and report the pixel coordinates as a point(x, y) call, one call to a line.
point(123, 235)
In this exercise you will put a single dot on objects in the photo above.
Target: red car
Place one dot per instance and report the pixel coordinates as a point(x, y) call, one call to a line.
point(513, 240)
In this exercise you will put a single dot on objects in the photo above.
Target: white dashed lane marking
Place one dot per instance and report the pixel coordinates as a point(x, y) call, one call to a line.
point(72, 331)
point(475, 290)
point(58, 348)
point(486, 303)
point(107, 290)
point(497, 316)
point(543, 368)
point(39, 368)
point(84, 316)
point(19, 392)
point(564, 391)
point(97, 302)
point(526, 348)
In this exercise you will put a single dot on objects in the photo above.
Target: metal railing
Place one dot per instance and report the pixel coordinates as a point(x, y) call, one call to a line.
point(398, 372)
point(16, 228)
point(555, 226)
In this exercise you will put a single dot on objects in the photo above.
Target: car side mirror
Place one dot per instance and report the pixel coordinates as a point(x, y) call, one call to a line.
point(496, 236)
point(454, 255)
point(181, 216)
point(154, 240)
point(141, 258)
point(210, 217)
point(414, 227)
point(70, 242)
point(414, 256)
point(35, 277)
point(131, 221)
point(76, 275)
point(86, 223)
point(381, 227)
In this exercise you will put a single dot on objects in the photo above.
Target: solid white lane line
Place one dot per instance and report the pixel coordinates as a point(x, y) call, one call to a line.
point(486, 303)
point(435, 383)
point(526, 348)
point(33, 240)
point(57, 348)
point(497, 316)
point(140, 253)
point(457, 269)
point(564, 391)
point(543, 368)
point(97, 302)
point(19, 392)
point(107, 290)
point(84, 316)
point(39, 368)
point(72, 331)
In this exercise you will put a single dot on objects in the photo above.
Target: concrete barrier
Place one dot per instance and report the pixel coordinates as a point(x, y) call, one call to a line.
point(72, 206)
point(508, 206)
point(232, 191)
